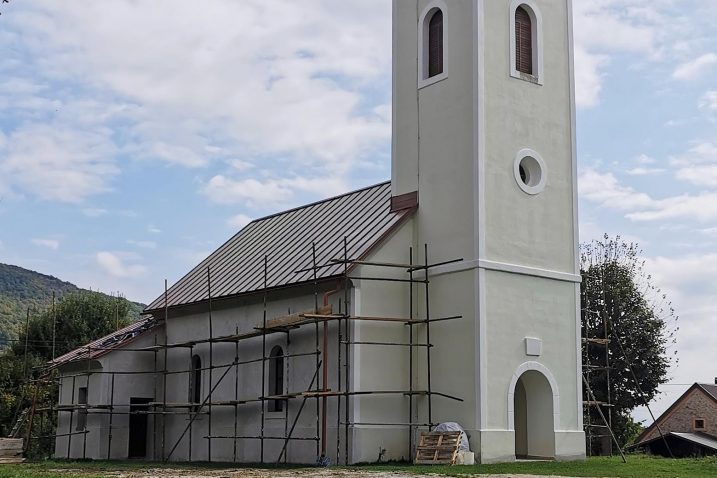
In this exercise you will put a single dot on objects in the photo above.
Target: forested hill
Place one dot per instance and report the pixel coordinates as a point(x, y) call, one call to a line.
point(21, 288)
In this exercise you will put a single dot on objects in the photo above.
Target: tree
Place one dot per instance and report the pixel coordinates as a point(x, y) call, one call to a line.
point(76, 320)
point(619, 302)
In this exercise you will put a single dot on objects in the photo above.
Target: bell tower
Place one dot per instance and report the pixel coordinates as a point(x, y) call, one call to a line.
point(484, 136)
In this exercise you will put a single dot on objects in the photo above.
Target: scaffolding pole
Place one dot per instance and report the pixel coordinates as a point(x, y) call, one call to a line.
point(319, 389)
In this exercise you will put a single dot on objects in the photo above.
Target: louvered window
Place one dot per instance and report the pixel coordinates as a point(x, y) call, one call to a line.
point(435, 44)
point(523, 41)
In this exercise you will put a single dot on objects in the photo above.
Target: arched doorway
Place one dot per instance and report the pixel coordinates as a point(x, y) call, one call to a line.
point(534, 417)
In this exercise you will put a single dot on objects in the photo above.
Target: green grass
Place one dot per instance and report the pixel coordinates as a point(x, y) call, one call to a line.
point(636, 467)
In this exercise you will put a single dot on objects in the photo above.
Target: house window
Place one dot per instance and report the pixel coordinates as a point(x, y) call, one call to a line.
point(526, 37)
point(82, 415)
point(523, 41)
point(195, 381)
point(432, 44)
point(276, 378)
point(700, 424)
point(435, 44)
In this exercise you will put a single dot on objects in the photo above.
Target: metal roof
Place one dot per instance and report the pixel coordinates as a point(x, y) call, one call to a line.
point(106, 344)
point(698, 438)
point(711, 389)
point(701, 439)
point(364, 217)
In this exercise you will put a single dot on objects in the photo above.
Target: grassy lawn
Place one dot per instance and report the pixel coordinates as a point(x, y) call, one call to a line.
point(637, 467)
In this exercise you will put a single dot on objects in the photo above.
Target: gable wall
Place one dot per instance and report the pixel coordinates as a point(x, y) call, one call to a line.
point(695, 405)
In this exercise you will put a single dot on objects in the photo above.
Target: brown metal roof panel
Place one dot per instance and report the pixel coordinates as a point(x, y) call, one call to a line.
point(362, 216)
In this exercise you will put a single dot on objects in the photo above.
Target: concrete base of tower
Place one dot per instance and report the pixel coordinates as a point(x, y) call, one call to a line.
point(570, 445)
point(499, 446)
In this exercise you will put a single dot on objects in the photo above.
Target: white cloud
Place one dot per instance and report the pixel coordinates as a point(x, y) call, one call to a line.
point(693, 69)
point(239, 221)
point(58, 163)
point(604, 188)
point(588, 78)
point(709, 101)
point(53, 244)
point(115, 264)
point(154, 229)
point(645, 171)
point(645, 159)
point(701, 153)
point(223, 190)
point(689, 285)
point(94, 212)
point(630, 29)
point(699, 175)
point(285, 84)
point(702, 207)
point(143, 244)
point(240, 165)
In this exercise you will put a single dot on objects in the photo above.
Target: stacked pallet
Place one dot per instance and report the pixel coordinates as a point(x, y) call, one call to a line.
point(11, 450)
point(438, 448)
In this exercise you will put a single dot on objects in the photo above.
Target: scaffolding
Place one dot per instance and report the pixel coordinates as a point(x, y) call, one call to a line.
point(596, 373)
point(415, 276)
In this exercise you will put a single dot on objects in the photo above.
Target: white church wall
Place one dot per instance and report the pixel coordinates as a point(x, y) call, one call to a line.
point(127, 386)
point(79, 444)
point(247, 314)
point(383, 368)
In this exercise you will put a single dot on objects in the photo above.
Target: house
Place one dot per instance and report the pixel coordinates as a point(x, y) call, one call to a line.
point(340, 330)
point(687, 428)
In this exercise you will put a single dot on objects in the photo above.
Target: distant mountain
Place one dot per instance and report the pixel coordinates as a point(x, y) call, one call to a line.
point(21, 288)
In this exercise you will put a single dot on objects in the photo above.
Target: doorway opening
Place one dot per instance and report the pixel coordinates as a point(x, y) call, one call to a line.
point(138, 421)
point(534, 425)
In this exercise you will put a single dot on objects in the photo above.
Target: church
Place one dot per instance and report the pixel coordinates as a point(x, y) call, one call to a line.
point(337, 332)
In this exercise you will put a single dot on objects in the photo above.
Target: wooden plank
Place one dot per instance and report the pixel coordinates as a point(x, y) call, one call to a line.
point(438, 448)
point(11, 444)
point(289, 320)
point(10, 461)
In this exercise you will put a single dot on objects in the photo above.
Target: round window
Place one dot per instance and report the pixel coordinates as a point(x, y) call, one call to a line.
point(530, 172)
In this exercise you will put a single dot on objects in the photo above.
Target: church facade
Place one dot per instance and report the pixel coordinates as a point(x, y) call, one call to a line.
point(449, 294)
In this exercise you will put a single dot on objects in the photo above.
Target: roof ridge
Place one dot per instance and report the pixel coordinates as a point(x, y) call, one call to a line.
point(321, 201)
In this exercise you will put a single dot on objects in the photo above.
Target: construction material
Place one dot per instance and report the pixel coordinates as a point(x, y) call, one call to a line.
point(11, 450)
point(438, 448)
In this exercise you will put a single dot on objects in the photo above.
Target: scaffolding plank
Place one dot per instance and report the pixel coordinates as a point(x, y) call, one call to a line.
point(289, 320)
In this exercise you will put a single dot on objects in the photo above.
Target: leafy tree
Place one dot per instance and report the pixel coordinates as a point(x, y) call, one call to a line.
point(77, 319)
point(620, 302)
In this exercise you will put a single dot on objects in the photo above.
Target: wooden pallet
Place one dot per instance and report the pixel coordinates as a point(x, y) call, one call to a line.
point(11, 450)
point(438, 448)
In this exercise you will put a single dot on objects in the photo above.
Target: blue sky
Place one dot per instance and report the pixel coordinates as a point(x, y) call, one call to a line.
point(135, 137)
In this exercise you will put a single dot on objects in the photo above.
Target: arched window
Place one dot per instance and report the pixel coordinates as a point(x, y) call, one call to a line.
point(276, 378)
point(526, 41)
point(195, 381)
point(523, 41)
point(432, 34)
point(435, 44)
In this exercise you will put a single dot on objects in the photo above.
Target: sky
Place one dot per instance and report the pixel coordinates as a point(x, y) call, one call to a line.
point(137, 136)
